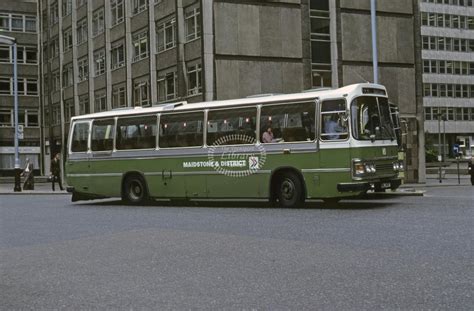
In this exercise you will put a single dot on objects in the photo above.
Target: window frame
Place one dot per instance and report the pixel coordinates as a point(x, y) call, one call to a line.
point(203, 128)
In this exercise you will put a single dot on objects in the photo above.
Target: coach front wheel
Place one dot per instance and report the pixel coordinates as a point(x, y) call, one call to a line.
point(290, 191)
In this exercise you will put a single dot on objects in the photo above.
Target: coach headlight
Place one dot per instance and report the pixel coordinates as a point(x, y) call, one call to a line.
point(401, 167)
point(396, 166)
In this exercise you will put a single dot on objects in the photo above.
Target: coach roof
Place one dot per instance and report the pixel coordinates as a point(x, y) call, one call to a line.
point(183, 106)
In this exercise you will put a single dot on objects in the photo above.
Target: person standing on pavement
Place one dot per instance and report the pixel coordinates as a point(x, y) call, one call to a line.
point(56, 171)
point(27, 173)
point(470, 169)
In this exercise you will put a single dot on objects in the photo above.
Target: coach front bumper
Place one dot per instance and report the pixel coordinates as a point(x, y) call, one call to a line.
point(363, 186)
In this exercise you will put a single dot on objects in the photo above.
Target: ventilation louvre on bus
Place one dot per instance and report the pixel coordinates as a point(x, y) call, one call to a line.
point(171, 106)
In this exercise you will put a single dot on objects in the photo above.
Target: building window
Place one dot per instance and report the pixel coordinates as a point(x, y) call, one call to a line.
point(192, 24)
point(5, 86)
point(80, 3)
point(117, 55)
point(99, 62)
point(67, 39)
point(141, 93)
point(194, 78)
point(68, 79)
point(167, 86)
point(140, 45)
point(54, 47)
point(100, 102)
point(56, 85)
point(166, 35)
point(56, 114)
point(5, 54)
point(53, 13)
point(98, 22)
point(4, 22)
point(17, 22)
point(428, 116)
point(6, 119)
point(30, 23)
point(25, 55)
point(81, 31)
point(119, 96)
point(31, 87)
point(83, 69)
point(320, 44)
point(31, 55)
point(83, 104)
point(139, 6)
point(68, 110)
point(67, 7)
point(116, 6)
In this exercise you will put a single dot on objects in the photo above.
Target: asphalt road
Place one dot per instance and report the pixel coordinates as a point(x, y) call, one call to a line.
point(407, 253)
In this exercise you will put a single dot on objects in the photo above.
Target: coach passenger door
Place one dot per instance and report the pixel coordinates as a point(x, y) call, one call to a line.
point(180, 142)
point(334, 155)
point(77, 167)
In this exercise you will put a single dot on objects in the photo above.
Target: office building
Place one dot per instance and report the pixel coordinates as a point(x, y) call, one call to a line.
point(106, 54)
point(18, 19)
point(448, 74)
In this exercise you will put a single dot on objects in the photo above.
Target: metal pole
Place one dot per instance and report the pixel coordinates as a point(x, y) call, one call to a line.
point(373, 18)
point(444, 137)
point(439, 146)
point(17, 187)
point(459, 174)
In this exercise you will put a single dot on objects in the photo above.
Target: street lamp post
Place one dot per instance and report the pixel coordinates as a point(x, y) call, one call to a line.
point(12, 42)
point(440, 157)
point(373, 18)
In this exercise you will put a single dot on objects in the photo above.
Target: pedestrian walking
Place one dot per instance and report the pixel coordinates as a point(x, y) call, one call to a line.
point(470, 169)
point(56, 171)
point(29, 183)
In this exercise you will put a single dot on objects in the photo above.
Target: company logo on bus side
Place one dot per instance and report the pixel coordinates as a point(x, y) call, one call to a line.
point(228, 158)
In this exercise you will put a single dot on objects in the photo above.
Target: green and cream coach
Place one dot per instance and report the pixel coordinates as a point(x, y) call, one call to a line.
point(321, 144)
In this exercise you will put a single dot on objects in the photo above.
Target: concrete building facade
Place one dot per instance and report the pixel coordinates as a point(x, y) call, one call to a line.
point(18, 19)
point(105, 54)
point(448, 73)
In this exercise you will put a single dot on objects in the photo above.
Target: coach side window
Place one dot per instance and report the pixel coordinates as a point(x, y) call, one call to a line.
point(103, 135)
point(334, 120)
point(136, 132)
point(181, 130)
point(232, 126)
point(287, 123)
point(80, 135)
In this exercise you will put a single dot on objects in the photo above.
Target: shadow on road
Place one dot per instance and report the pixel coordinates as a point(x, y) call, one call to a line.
point(343, 205)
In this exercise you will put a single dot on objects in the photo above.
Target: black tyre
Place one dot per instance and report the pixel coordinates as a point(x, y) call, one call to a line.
point(134, 190)
point(290, 191)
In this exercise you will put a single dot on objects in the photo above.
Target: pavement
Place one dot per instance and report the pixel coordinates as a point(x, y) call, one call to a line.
point(405, 189)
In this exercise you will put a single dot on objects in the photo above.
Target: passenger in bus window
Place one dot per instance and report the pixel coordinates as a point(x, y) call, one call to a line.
point(267, 136)
point(332, 127)
point(372, 125)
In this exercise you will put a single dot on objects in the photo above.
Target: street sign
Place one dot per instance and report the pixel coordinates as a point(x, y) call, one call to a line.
point(456, 149)
point(21, 131)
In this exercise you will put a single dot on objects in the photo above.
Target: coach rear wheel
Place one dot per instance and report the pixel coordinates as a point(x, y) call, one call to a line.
point(290, 191)
point(134, 190)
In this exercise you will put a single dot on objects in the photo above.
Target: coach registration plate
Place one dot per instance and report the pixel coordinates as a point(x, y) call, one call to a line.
point(385, 185)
